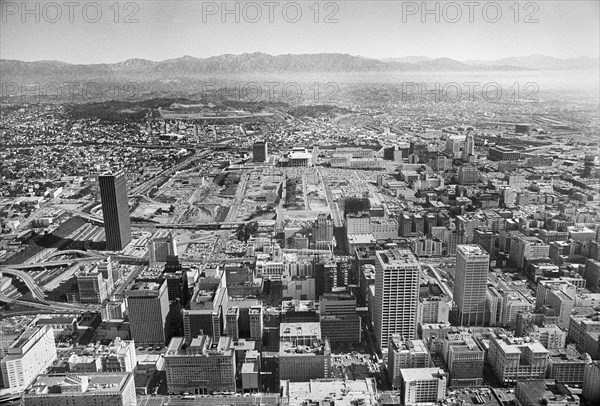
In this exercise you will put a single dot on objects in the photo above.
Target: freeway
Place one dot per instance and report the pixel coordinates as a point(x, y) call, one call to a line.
point(31, 284)
point(338, 222)
point(51, 264)
point(190, 226)
point(36, 305)
point(231, 215)
point(38, 293)
point(85, 216)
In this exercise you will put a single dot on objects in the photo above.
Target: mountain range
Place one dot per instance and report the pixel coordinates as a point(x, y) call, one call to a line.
point(289, 63)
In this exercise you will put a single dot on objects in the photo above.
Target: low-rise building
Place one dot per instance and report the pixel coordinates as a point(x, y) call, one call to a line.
point(567, 365)
point(423, 386)
point(202, 367)
point(513, 358)
point(303, 354)
point(405, 354)
point(106, 389)
point(547, 393)
point(464, 358)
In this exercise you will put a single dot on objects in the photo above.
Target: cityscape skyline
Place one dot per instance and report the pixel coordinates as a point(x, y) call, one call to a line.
point(284, 211)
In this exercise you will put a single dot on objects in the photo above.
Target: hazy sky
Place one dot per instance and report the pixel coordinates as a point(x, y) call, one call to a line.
point(93, 32)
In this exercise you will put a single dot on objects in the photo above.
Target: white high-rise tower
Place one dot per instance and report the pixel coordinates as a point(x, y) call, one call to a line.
point(397, 275)
point(470, 284)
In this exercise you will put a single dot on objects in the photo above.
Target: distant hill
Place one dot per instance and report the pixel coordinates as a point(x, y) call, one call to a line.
point(236, 64)
point(408, 59)
point(542, 62)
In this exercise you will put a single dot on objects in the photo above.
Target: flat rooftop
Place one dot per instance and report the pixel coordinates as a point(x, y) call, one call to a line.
point(104, 382)
point(421, 374)
point(345, 393)
point(143, 285)
point(304, 329)
point(397, 258)
point(471, 249)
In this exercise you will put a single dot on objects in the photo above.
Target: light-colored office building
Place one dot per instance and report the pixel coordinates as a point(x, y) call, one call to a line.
point(396, 301)
point(405, 354)
point(556, 298)
point(119, 356)
point(423, 386)
point(567, 365)
point(105, 389)
point(470, 283)
point(29, 355)
point(513, 358)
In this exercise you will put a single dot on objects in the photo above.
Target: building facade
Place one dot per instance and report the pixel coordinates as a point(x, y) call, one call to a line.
point(115, 210)
point(107, 389)
point(148, 305)
point(396, 295)
point(202, 367)
point(29, 355)
point(472, 265)
point(423, 386)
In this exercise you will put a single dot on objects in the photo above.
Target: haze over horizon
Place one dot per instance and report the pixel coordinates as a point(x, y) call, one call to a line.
point(401, 57)
point(372, 29)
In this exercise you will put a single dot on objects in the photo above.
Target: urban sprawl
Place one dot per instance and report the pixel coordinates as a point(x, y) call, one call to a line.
point(319, 255)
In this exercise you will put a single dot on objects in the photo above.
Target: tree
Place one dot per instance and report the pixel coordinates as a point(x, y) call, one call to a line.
point(245, 231)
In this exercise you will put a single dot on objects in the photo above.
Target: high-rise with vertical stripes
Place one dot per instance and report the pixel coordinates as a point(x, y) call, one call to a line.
point(115, 210)
point(397, 273)
point(470, 284)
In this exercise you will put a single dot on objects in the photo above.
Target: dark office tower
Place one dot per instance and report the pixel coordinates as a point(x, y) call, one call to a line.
point(418, 224)
point(115, 209)
point(484, 237)
point(148, 304)
point(388, 153)
point(588, 166)
point(354, 205)
point(260, 151)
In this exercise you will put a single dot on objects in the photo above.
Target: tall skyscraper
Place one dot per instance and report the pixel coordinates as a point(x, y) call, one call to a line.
point(260, 151)
point(148, 304)
point(115, 210)
point(396, 295)
point(470, 283)
point(323, 231)
point(469, 148)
